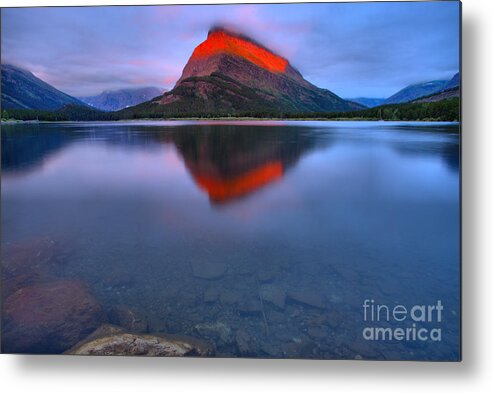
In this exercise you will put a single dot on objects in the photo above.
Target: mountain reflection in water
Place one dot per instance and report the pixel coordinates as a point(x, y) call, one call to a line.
point(224, 163)
point(228, 164)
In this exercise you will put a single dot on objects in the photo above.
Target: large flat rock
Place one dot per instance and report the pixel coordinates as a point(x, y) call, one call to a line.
point(112, 341)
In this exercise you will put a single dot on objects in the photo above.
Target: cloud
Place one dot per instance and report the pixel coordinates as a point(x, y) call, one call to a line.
point(354, 49)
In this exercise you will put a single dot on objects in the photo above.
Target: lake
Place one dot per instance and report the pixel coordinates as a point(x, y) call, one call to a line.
point(261, 238)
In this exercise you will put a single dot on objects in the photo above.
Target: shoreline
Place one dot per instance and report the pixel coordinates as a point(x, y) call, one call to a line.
point(232, 119)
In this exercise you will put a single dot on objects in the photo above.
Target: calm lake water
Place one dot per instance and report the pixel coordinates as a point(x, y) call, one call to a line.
point(261, 238)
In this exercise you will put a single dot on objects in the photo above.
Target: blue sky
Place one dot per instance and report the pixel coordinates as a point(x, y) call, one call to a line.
point(353, 49)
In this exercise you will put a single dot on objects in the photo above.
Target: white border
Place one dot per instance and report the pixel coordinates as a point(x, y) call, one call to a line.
point(78, 374)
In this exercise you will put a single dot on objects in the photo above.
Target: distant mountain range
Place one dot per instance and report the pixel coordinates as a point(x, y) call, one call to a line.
point(368, 102)
point(22, 90)
point(413, 92)
point(114, 100)
point(231, 75)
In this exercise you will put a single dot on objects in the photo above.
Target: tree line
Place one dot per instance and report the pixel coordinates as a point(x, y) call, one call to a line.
point(446, 110)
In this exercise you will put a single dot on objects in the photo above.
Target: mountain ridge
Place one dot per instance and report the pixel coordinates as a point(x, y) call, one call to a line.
point(440, 96)
point(21, 89)
point(113, 100)
point(368, 102)
point(453, 83)
point(416, 91)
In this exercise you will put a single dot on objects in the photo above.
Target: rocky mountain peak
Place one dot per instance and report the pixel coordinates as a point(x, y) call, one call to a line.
point(222, 44)
point(231, 74)
point(224, 41)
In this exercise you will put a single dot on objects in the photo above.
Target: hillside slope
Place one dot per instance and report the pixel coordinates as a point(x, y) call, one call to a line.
point(22, 90)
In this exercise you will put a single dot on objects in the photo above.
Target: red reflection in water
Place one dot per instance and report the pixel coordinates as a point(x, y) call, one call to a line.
point(221, 190)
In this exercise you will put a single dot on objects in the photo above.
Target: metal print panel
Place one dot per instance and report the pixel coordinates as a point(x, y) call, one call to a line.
point(266, 180)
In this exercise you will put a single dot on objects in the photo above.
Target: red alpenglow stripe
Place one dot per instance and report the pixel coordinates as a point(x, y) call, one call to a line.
point(222, 190)
point(221, 42)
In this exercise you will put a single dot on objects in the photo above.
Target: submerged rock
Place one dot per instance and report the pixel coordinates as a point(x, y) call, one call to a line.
point(208, 270)
point(306, 298)
point(271, 350)
point(49, 318)
point(216, 331)
point(112, 341)
point(334, 320)
point(27, 262)
point(265, 276)
point(274, 295)
point(250, 307)
point(245, 343)
point(305, 350)
point(12, 284)
point(128, 318)
point(30, 256)
point(317, 332)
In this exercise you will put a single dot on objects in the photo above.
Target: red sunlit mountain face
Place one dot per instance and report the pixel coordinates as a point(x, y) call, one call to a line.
point(222, 42)
point(235, 55)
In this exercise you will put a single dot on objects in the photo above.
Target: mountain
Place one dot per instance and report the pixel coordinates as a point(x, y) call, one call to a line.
point(449, 90)
point(453, 83)
point(368, 102)
point(22, 90)
point(231, 75)
point(440, 96)
point(114, 100)
point(412, 92)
